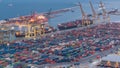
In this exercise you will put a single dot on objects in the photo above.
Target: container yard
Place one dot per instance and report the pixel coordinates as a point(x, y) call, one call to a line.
point(31, 42)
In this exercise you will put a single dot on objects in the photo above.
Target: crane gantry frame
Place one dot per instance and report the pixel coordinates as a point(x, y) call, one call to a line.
point(95, 16)
point(106, 16)
point(85, 19)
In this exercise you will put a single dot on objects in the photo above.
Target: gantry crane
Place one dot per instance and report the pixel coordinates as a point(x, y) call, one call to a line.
point(94, 16)
point(28, 32)
point(7, 34)
point(85, 19)
point(34, 29)
point(106, 17)
point(49, 13)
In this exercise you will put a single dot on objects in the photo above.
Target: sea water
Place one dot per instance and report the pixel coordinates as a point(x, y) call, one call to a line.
point(15, 8)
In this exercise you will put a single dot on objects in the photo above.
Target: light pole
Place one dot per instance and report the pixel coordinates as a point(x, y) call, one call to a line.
point(8, 44)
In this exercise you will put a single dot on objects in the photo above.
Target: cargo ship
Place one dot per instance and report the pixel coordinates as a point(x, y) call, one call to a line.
point(74, 24)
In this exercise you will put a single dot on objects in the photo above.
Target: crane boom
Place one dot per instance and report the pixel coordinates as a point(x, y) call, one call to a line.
point(49, 13)
point(103, 8)
point(105, 14)
point(92, 8)
point(85, 20)
point(82, 11)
